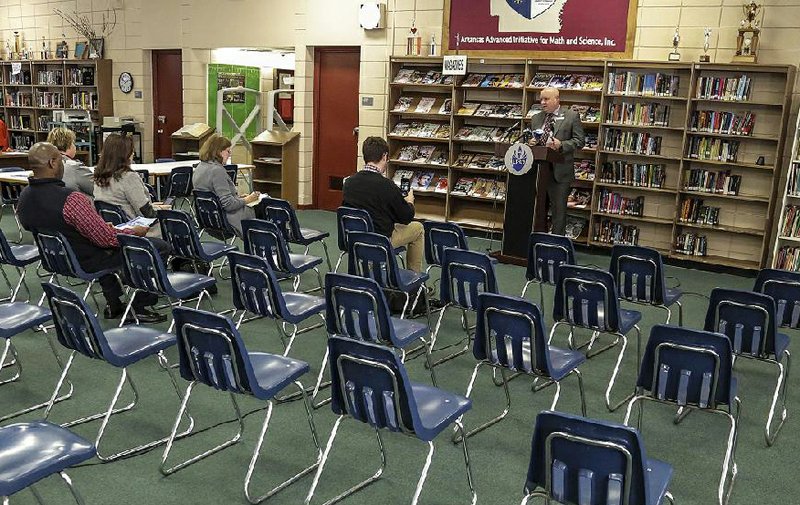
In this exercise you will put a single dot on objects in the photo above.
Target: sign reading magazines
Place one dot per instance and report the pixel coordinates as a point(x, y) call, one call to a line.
point(600, 28)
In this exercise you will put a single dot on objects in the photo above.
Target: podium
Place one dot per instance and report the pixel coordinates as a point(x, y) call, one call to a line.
point(526, 204)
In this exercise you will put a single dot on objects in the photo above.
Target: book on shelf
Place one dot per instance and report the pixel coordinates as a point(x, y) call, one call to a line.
point(735, 89)
point(424, 105)
point(431, 77)
point(403, 75)
point(607, 231)
point(443, 132)
point(535, 109)
point(407, 153)
point(496, 163)
point(441, 184)
point(579, 198)
point(790, 226)
point(793, 182)
point(463, 186)
point(428, 130)
point(590, 141)
point(649, 175)
point(632, 142)
point(575, 226)
point(587, 113)
point(713, 149)
point(788, 258)
point(265, 159)
point(400, 129)
point(691, 244)
point(560, 81)
point(468, 108)
point(638, 114)
point(399, 175)
point(423, 154)
point(707, 181)
point(439, 157)
point(643, 84)
point(693, 210)
point(480, 160)
point(446, 107)
point(726, 122)
point(541, 79)
point(421, 181)
point(584, 170)
point(481, 188)
point(473, 80)
point(463, 160)
point(499, 190)
point(403, 104)
point(610, 202)
point(485, 109)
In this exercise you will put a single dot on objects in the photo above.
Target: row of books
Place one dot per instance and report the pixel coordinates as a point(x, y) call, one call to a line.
point(643, 84)
point(20, 122)
point(413, 76)
point(422, 130)
point(691, 244)
point(21, 142)
point(84, 100)
point(590, 141)
point(480, 160)
point(648, 175)
point(494, 81)
point(422, 180)
point(588, 113)
point(21, 78)
point(793, 182)
point(612, 232)
point(706, 181)
point(727, 122)
point(693, 211)
point(50, 100)
point(584, 170)
point(640, 114)
point(489, 133)
point(44, 123)
point(725, 88)
point(591, 82)
point(422, 154)
point(790, 227)
point(624, 141)
point(423, 105)
point(715, 149)
point(611, 202)
point(80, 76)
point(480, 187)
point(18, 99)
point(788, 258)
point(501, 110)
point(50, 77)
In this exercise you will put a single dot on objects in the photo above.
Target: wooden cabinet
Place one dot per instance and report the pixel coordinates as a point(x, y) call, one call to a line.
point(275, 157)
point(187, 147)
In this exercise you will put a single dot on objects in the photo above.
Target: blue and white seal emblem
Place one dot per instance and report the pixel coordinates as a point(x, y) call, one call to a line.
point(519, 159)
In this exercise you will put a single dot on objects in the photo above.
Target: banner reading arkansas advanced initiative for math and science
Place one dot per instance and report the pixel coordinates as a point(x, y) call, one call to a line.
point(550, 28)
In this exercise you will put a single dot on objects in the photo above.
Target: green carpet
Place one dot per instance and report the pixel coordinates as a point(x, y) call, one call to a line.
point(499, 455)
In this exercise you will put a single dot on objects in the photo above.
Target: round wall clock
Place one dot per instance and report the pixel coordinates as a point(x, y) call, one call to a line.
point(126, 82)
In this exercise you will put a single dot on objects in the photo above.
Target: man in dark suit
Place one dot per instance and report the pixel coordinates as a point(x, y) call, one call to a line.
point(564, 133)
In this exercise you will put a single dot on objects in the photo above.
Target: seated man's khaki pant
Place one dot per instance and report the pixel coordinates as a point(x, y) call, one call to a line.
point(412, 236)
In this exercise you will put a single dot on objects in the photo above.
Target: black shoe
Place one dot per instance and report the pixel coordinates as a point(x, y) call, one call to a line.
point(145, 316)
point(113, 311)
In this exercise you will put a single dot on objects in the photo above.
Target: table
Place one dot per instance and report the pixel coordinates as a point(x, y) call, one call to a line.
point(14, 159)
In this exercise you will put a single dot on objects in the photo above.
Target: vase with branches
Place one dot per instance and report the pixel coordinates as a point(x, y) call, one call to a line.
point(94, 34)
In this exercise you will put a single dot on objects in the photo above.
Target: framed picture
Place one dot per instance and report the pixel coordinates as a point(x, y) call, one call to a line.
point(58, 116)
point(80, 50)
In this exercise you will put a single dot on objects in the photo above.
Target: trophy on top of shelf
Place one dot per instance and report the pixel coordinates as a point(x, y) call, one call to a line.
point(705, 58)
point(749, 31)
point(413, 41)
point(676, 39)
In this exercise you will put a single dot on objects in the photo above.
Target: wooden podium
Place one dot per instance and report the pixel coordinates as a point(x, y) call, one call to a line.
point(526, 204)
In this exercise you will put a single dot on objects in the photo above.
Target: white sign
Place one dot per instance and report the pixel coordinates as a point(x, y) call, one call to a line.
point(16, 68)
point(454, 65)
point(519, 159)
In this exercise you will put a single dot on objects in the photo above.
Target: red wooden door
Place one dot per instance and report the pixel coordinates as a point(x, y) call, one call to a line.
point(167, 99)
point(336, 74)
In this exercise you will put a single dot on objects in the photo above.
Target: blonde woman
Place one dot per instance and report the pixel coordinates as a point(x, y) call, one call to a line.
point(210, 175)
point(76, 175)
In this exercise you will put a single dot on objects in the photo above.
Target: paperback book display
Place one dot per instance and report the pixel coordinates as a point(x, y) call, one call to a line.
point(587, 113)
point(736, 89)
point(631, 142)
point(499, 134)
point(588, 82)
point(693, 211)
point(421, 180)
point(494, 81)
point(480, 187)
point(611, 232)
point(610, 202)
point(726, 122)
point(422, 154)
point(579, 198)
point(643, 84)
point(638, 114)
point(646, 175)
point(421, 130)
point(691, 244)
point(575, 226)
point(706, 181)
point(423, 105)
point(584, 170)
point(412, 76)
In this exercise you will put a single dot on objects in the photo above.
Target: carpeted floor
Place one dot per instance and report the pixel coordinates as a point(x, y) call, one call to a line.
point(499, 455)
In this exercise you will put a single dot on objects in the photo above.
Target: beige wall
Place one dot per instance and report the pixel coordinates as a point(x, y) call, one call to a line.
point(197, 26)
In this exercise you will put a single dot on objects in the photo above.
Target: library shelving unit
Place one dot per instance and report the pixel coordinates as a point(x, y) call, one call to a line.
point(187, 147)
point(276, 161)
point(786, 252)
point(687, 155)
point(44, 87)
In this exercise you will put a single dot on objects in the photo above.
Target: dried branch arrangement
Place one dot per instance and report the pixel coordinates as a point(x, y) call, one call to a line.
point(83, 24)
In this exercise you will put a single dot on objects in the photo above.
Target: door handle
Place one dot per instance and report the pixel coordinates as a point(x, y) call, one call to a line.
point(160, 131)
point(162, 119)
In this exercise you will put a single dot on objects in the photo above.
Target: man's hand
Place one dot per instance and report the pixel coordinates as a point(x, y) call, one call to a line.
point(410, 197)
point(161, 206)
point(140, 231)
point(554, 143)
point(252, 197)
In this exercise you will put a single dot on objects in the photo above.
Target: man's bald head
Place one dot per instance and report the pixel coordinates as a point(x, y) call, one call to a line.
point(550, 100)
point(45, 161)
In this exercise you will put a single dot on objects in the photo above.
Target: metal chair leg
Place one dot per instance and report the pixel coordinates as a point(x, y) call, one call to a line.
point(338, 261)
point(467, 466)
point(609, 406)
point(780, 392)
point(456, 439)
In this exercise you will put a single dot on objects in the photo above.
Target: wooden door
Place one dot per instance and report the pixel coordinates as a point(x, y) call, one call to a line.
point(336, 75)
point(167, 99)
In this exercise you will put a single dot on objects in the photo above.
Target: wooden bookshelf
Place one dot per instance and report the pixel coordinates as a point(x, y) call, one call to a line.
point(786, 248)
point(276, 161)
point(45, 87)
point(187, 147)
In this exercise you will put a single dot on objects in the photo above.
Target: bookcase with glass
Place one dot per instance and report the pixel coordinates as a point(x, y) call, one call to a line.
point(580, 85)
point(44, 92)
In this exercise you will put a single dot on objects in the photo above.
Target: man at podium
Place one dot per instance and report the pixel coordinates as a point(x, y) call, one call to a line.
point(559, 128)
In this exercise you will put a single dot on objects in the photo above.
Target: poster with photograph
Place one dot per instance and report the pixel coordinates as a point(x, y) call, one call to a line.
point(550, 28)
point(239, 105)
point(231, 80)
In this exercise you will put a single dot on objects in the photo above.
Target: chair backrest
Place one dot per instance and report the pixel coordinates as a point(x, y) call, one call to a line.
point(142, 267)
point(6, 255)
point(180, 182)
point(210, 213)
point(466, 274)
point(356, 307)
point(255, 287)
point(165, 160)
point(281, 213)
point(351, 219)
point(211, 351)
point(747, 318)
point(370, 384)
point(110, 213)
point(512, 327)
point(586, 297)
point(179, 230)
point(438, 236)
point(585, 461)
point(264, 239)
point(9, 192)
point(371, 255)
point(144, 174)
point(784, 287)
point(639, 273)
point(546, 252)
point(687, 367)
point(57, 254)
point(76, 326)
point(232, 171)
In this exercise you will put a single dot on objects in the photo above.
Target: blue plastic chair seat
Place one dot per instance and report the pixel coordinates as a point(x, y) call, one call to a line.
point(671, 295)
point(16, 317)
point(309, 236)
point(562, 361)
point(628, 318)
point(186, 284)
point(131, 344)
point(273, 373)
point(410, 279)
point(24, 255)
point(781, 344)
point(302, 262)
point(437, 409)
point(406, 330)
point(300, 306)
point(659, 474)
point(29, 452)
point(215, 250)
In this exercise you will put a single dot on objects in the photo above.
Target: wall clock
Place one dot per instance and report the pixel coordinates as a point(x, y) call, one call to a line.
point(125, 82)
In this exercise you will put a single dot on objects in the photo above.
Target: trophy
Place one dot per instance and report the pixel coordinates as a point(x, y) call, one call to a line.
point(705, 58)
point(749, 31)
point(675, 55)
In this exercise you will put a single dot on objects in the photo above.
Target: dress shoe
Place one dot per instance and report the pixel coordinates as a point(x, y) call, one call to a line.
point(113, 311)
point(145, 316)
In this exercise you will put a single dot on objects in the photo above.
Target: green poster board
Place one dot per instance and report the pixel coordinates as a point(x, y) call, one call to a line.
point(239, 105)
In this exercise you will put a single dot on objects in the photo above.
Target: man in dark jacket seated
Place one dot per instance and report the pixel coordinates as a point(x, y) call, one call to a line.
point(47, 205)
